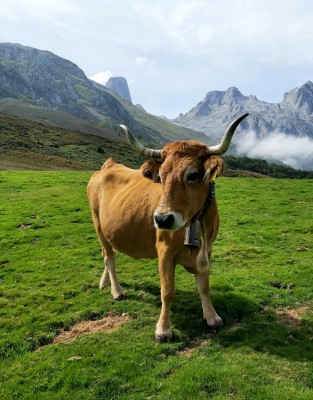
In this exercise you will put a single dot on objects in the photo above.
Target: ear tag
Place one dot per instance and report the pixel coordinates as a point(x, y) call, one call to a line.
point(213, 176)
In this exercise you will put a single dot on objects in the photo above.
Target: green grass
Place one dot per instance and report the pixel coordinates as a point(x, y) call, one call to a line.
point(50, 266)
point(28, 145)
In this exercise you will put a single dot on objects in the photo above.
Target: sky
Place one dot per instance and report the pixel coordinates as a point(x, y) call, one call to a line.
point(172, 52)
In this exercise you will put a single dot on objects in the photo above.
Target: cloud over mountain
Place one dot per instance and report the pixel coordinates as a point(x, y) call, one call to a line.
point(274, 131)
point(294, 151)
point(101, 77)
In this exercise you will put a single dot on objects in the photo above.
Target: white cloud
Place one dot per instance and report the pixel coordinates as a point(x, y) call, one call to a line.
point(144, 61)
point(294, 151)
point(101, 77)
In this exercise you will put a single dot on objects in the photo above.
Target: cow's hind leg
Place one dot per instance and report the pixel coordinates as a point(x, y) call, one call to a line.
point(109, 273)
point(105, 278)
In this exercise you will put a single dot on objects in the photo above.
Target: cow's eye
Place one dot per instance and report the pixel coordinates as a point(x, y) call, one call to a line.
point(192, 177)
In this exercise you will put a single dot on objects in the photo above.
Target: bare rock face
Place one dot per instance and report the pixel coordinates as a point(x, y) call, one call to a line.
point(41, 78)
point(292, 116)
point(119, 85)
point(300, 99)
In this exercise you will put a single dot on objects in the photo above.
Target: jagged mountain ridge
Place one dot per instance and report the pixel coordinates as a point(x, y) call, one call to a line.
point(39, 80)
point(292, 116)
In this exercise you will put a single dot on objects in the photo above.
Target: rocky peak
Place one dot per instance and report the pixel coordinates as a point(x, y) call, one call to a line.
point(216, 99)
point(232, 93)
point(300, 98)
point(119, 85)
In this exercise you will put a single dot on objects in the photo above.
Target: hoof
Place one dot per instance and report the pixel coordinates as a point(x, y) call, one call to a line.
point(164, 337)
point(120, 297)
point(104, 283)
point(216, 325)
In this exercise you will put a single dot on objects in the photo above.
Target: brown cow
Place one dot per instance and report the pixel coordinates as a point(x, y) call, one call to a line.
point(146, 213)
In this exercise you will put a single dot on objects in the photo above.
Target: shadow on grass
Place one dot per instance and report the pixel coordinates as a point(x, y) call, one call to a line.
point(264, 333)
point(246, 324)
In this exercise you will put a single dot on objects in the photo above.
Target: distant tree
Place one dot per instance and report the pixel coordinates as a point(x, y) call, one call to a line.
point(263, 167)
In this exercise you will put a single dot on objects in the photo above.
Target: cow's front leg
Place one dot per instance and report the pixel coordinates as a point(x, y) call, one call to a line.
point(163, 331)
point(209, 313)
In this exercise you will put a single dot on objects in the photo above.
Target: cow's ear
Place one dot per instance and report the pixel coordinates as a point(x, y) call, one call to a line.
point(150, 170)
point(214, 167)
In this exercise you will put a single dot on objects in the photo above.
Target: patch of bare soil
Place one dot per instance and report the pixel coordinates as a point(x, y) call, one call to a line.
point(107, 324)
point(292, 317)
point(195, 344)
point(23, 226)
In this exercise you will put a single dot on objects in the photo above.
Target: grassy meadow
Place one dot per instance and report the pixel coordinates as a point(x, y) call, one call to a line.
point(261, 279)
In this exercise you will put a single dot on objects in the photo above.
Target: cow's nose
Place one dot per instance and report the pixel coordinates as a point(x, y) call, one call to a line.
point(164, 221)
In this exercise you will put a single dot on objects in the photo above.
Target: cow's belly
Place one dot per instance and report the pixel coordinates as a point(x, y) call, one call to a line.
point(134, 243)
point(134, 236)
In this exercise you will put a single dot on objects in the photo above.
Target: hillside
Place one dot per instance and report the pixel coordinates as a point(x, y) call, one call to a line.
point(40, 85)
point(28, 145)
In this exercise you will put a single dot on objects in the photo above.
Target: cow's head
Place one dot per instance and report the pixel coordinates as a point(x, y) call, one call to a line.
point(184, 170)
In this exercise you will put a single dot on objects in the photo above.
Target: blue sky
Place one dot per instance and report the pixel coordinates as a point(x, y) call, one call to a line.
point(173, 52)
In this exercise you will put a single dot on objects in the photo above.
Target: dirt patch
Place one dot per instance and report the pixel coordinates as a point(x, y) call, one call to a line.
point(107, 324)
point(204, 340)
point(25, 225)
point(292, 317)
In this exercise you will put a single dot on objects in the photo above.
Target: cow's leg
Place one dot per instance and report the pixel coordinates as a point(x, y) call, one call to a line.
point(202, 280)
point(109, 273)
point(105, 278)
point(163, 331)
point(209, 313)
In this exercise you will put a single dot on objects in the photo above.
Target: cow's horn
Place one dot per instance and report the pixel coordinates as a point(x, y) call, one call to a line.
point(142, 150)
point(225, 142)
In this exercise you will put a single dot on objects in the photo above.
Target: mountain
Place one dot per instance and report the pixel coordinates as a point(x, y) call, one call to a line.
point(300, 99)
point(277, 132)
point(293, 116)
point(119, 85)
point(42, 86)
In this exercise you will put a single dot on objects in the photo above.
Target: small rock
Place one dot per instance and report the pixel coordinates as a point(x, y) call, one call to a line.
point(302, 248)
point(74, 358)
point(25, 225)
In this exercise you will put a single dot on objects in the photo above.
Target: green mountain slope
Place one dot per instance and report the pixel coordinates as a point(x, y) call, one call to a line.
point(39, 85)
point(29, 145)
